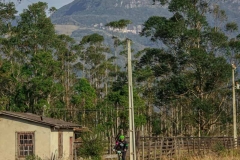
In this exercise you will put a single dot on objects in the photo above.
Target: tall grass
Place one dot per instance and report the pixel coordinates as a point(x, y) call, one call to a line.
point(233, 154)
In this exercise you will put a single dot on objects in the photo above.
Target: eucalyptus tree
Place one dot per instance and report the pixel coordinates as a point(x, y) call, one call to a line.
point(52, 10)
point(119, 43)
point(233, 56)
point(97, 65)
point(45, 87)
point(119, 96)
point(231, 27)
point(66, 53)
point(120, 49)
point(95, 60)
point(8, 85)
point(232, 46)
point(35, 30)
point(34, 37)
point(147, 75)
point(192, 71)
point(84, 100)
point(7, 14)
point(121, 24)
point(219, 16)
point(8, 64)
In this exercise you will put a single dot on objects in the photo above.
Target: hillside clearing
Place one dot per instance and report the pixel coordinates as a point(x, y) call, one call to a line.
point(65, 29)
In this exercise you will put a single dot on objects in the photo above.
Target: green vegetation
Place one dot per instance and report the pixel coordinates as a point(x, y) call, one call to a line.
point(92, 146)
point(33, 157)
point(179, 89)
point(219, 148)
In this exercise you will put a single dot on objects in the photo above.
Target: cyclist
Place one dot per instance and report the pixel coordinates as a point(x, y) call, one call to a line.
point(121, 145)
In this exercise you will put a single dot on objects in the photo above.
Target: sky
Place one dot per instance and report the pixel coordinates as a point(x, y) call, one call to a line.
point(51, 3)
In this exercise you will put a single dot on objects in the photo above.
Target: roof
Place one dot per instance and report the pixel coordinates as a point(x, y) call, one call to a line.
point(82, 129)
point(57, 123)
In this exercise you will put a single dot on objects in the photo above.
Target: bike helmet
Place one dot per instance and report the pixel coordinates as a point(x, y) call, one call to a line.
point(121, 137)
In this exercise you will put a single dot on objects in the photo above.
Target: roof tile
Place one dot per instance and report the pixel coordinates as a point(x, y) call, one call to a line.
point(40, 119)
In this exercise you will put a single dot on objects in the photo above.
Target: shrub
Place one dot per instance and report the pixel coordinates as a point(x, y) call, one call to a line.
point(218, 148)
point(33, 157)
point(92, 146)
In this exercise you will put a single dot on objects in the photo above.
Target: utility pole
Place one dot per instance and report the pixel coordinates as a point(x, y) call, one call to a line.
point(234, 108)
point(131, 106)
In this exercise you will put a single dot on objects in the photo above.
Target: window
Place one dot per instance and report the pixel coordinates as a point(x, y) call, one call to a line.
point(25, 143)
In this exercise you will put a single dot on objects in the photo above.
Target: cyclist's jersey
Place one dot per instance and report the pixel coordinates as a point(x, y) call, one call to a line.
point(121, 145)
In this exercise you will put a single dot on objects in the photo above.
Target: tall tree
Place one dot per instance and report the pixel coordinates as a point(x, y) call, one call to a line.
point(8, 65)
point(67, 55)
point(189, 71)
point(84, 99)
point(35, 30)
point(33, 40)
point(93, 57)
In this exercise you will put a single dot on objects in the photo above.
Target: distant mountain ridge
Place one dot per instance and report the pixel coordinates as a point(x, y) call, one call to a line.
point(105, 11)
point(91, 16)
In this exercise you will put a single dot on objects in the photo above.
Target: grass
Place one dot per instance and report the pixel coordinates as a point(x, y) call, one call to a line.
point(221, 155)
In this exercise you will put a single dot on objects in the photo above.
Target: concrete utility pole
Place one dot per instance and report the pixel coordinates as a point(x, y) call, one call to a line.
point(131, 106)
point(234, 108)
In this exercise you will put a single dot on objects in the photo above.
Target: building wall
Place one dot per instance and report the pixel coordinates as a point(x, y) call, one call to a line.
point(54, 143)
point(66, 143)
point(46, 139)
point(8, 128)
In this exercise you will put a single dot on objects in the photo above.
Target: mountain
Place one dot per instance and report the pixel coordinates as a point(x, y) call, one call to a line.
point(83, 17)
point(85, 12)
point(232, 8)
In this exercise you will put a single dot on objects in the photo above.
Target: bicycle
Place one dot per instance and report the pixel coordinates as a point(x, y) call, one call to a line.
point(119, 155)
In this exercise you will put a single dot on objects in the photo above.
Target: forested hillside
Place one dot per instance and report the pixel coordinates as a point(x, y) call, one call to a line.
point(91, 17)
point(188, 80)
point(82, 17)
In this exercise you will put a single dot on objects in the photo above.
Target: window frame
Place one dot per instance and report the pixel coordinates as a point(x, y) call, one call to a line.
point(23, 139)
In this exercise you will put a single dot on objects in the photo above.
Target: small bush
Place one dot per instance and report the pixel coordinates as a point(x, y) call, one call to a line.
point(33, 157)
point(218, 148)
point(92, 146)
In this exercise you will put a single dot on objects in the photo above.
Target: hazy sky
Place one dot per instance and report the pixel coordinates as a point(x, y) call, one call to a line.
point(51, 3)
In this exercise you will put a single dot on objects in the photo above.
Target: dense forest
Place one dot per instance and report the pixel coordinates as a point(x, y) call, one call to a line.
point(181, 89)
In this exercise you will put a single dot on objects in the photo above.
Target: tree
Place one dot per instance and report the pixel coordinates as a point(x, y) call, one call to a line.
point(7, 67)
point(35, 31)
point(95, 60)
point(52, 10)
point(190, 74)
point(66, 51)
point(146, 75)
point(7, 14)
point(44, 86)
point(120, 96)
point(84, 99)
point(121, 24)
